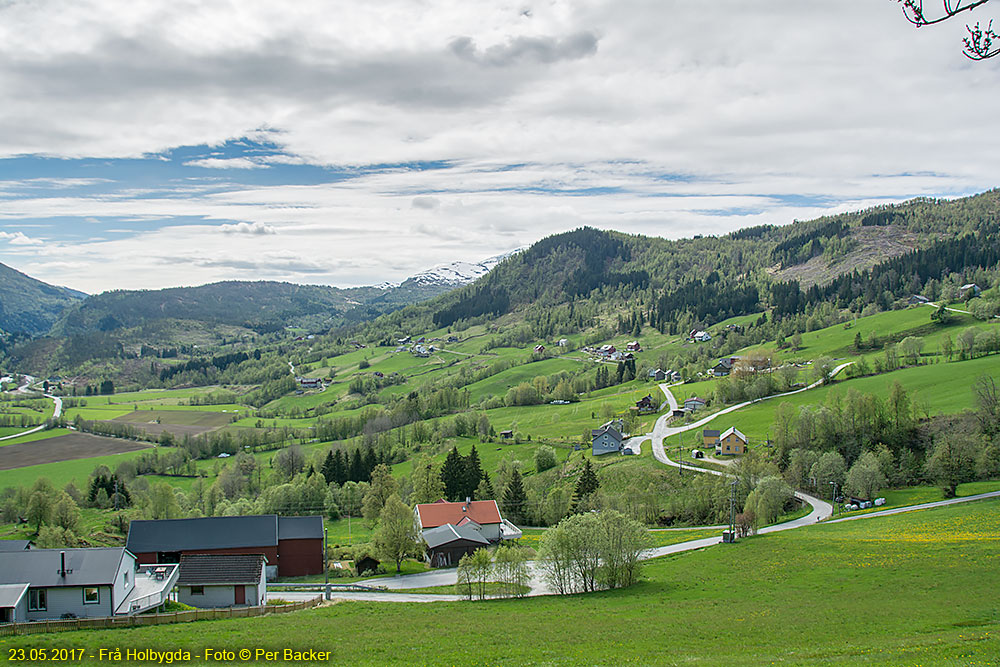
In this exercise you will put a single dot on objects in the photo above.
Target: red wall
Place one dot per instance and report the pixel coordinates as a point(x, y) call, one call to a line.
point(297, 558)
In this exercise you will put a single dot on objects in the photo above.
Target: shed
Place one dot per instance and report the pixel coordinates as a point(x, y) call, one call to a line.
point(222, 580)
point(448, 543)
point(366, 563)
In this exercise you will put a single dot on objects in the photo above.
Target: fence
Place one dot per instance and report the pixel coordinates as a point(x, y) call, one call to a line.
point(63, 625)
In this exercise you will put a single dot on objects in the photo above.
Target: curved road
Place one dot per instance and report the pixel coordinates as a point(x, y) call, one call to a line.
point(55, 415)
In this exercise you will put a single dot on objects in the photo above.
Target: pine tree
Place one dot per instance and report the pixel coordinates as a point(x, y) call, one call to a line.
point(340, 468)
point(357, 469)
point(453, 475)
point(514, 500)
point(586, 485)
point(473, 474)
point(328, 467)
point(370, 463)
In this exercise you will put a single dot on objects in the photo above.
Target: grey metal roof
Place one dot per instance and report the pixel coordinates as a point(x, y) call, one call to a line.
point(711, 433)
point(300, 527)
point(14, 545)
point(200, 569)
point(11, 594)
point(435, 537)
point(215, 532)
point(41, 567)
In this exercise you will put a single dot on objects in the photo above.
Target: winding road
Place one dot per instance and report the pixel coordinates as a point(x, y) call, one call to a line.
point(23, 389)
point(820, 510)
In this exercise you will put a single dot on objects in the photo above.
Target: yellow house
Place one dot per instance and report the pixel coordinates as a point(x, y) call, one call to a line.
point(710, 437)
point(732, 442)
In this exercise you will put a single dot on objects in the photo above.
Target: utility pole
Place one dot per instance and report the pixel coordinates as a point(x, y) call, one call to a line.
point(326, 565)
point(680, 457)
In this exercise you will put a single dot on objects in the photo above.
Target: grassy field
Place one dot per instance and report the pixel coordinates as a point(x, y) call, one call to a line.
point(63, 472)
point(943, 388)
point(893, 590)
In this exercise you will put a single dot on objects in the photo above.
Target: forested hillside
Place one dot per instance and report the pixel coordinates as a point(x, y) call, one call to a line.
point(585, 277)
point(31, 306)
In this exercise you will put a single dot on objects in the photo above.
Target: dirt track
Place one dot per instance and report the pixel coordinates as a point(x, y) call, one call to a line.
point(63, 448)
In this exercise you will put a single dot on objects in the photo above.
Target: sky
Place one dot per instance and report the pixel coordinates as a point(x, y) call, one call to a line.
point(158, 144)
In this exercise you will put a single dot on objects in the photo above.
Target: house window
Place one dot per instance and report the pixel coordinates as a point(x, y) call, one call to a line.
point(36, 599)
point(197, 590)
point(91, 595)
point(125, 578)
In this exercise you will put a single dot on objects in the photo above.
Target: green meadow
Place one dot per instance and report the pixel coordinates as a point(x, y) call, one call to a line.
point(892, 590)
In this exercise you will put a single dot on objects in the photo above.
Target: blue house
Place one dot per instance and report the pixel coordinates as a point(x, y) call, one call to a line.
point(608, 438)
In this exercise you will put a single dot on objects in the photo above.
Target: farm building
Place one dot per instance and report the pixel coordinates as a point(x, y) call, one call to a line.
point(366, 563)
point(969, 290)
point(293, 545)
point(310, 383)
point(448, 543)
point(917, 300)
point(657, 375)
point(646, 404)
point(450, 530)
point(694, 403)
point(41, 584)
point(731, 442)
point(608, 438)
point(634, 346)
point(222, 580)
point(563, 342)
point(539, 349)
point(710, 437)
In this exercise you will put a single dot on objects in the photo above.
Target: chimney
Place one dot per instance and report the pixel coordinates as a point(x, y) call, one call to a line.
point(62, 563)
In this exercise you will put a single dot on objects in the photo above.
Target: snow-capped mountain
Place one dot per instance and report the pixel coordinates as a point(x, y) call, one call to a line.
point(456, 274)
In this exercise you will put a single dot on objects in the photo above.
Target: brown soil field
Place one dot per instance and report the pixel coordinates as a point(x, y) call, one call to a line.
point(178, 422)
point(63, 448)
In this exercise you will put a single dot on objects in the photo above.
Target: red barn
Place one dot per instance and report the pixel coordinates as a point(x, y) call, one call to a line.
point(293, 545)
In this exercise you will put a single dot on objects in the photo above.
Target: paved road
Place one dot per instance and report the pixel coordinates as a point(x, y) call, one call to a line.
point(924, 506)
point(55, 415)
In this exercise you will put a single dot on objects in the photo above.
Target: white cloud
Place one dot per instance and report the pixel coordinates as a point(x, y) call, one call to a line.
point(18, 238)
point(225, 163)
point(660, 118)
point(256, 228)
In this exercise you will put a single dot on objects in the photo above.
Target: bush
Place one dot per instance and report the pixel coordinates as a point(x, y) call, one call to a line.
point(545, 458)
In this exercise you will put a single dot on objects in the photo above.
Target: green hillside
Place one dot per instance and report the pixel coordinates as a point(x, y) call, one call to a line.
point(30, 306)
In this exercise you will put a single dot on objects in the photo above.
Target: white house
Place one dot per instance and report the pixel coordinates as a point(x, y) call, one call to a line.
point(42, 584)
point(702, 336)
point(222, 580)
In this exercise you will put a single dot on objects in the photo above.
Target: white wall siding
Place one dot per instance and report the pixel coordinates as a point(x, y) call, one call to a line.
point(215, 596)
point(121, 590)
point(69, 600)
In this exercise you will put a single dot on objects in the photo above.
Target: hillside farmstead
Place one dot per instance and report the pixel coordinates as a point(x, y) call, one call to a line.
point(46, 584)
point(293, 545)
point(451, 530)
point(608, 438)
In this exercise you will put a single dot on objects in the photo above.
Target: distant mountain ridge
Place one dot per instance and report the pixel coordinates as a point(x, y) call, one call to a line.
point(262, 305)
point(31, 306)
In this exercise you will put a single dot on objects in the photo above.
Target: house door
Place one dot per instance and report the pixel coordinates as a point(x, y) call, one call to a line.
point(241, 595)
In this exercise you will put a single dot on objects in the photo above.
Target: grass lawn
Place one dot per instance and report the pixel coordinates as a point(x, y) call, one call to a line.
point(893, 590)
point(63, 472)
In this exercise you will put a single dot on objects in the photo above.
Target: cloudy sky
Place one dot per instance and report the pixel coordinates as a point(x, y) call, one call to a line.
point(153, 144)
